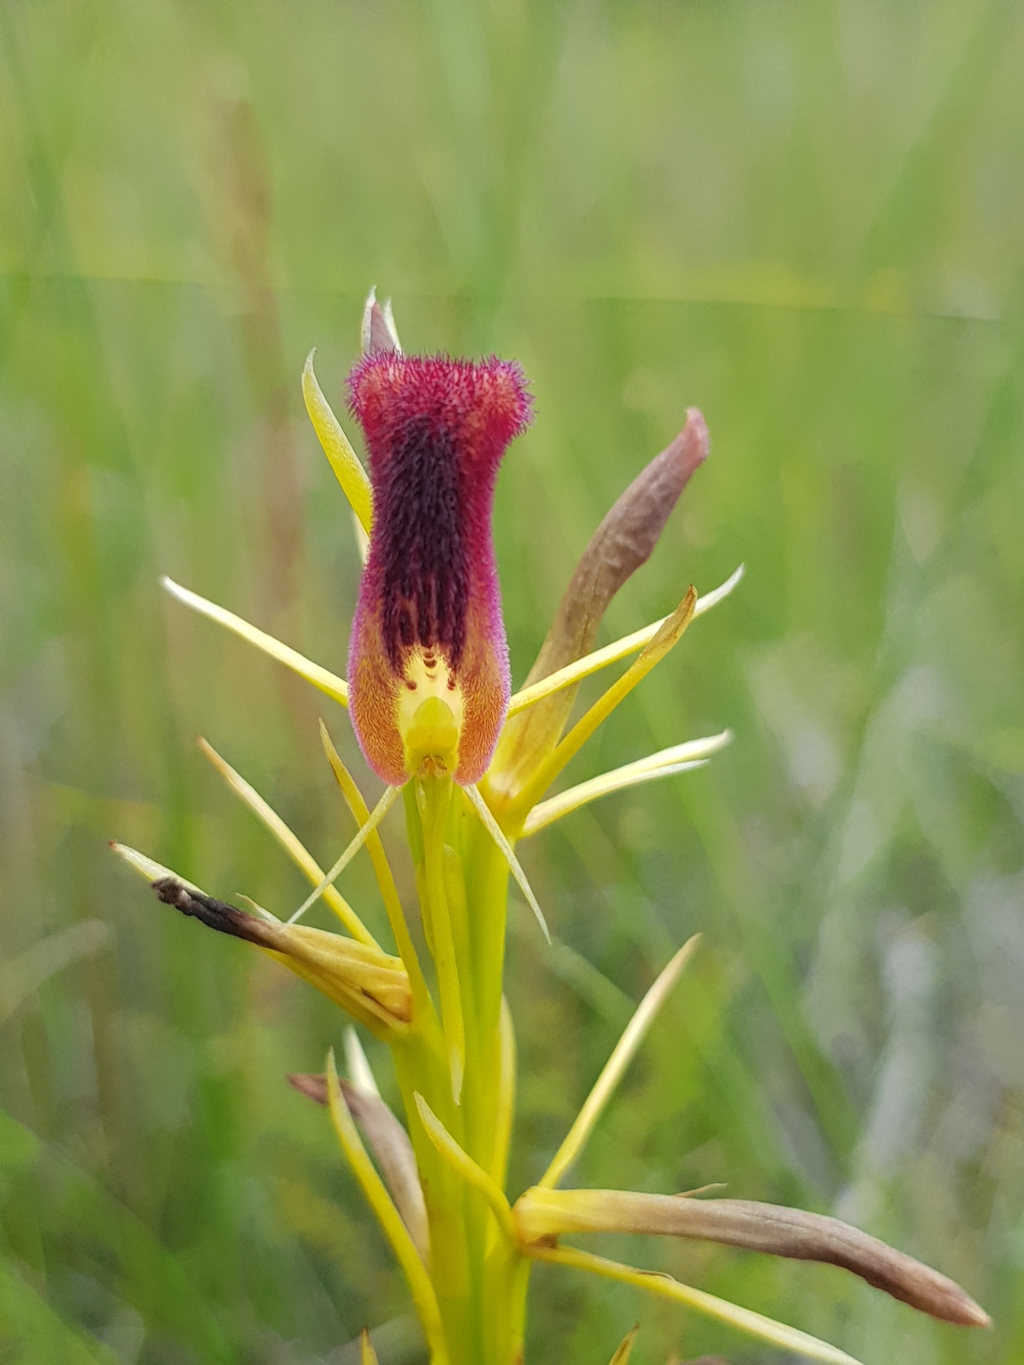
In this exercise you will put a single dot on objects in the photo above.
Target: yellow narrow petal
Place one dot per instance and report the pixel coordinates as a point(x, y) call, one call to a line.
point(506, 1105)
point(621, 1356)
point(385, 880)
point(367, 1355)
point(149, 869)
point(423, 1296)
point(360, 1073)
point(320, 677)
point(610, 654)
point(505, 848)
point(461, 1162)
point(299, 855)
point(677, 759)
point(669, 635)
point(374, 845)
point(622, 1054)
point(345, 462)
point(379, 811)
point(744, 1319)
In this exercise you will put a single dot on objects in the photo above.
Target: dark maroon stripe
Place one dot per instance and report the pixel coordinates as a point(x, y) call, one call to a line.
point(419, 510)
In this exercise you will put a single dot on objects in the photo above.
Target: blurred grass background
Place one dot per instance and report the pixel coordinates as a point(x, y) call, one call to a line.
point(805, 218)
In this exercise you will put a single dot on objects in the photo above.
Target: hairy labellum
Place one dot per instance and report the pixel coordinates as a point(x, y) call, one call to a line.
point(428, 663)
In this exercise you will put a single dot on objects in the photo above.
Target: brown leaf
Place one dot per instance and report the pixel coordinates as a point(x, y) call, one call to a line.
point(215, 914)
point(389, 1143)
point(311, 1084)
point(378, 330)
point(623, 541)
point(757, 1227)
point(619, 546)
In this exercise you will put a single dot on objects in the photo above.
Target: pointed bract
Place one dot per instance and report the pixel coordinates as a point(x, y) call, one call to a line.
point(323, 678)
point(620, 545)
point(367, 1355)
point(622, 1054)
point(370, 984)
point(292, 845)
point(390, 1144)
point(744, 1319)
point(542, 1214)
point(378, 332)
point(625, 1350)
point(347, 466)
point(424, 1295)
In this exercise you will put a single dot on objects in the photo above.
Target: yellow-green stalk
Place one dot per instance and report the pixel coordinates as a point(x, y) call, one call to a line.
point(430, 700)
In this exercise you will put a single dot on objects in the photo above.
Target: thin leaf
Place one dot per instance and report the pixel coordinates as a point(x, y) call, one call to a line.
point(505, 848)
point(347, 466)
point(22, 977)
point(370, 984)
point(149, 868)
point(320, 677)
point(615, 1067)
point(345, 970)
point(680, 758)
point(379, 811)
point(621, 1356)
point(743, 1319)
point(390, 1145)
point(299, 855)
point(610, 654)
point(382, 868)
point(470, 1171)
point(423, 1295)
point(665, 640)
point(506, 1101)
point(367, 1355)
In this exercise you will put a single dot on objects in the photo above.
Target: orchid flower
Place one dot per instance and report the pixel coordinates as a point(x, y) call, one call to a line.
point(430, 700)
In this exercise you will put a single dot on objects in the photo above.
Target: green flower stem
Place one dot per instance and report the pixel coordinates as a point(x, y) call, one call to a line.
point(468, 1081)
point(487, 877)
point(507, 1277)
point(444, 1194)
point(455, 1241)
point(503, 1296)
point(433, 797)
